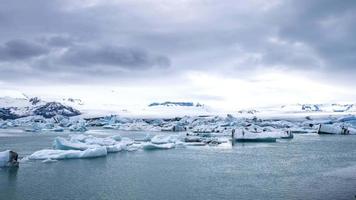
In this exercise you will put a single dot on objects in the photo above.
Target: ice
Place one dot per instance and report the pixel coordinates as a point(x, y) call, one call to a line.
point(126, 141)
point(68, 154)
point(34, 127)
point(48, 160)
point(249, 134)
point(63, 144)
point(82, 142)
point(174, 128)
point(58, 129)
point(111, 126)
point(4, 158)
point(99, 141)
point(133, 147)
point(163, 139)
point(116, 137)
point(85, 146)
point(78, 127)
point(115, 148)
point(195, 144)
point(151, 146)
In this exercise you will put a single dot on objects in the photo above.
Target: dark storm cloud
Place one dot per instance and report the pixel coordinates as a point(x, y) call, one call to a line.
point(228, 37)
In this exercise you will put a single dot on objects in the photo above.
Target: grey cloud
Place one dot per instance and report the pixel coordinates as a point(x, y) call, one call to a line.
point(131, 58)
point(211, 36)
point(69, 61)
point(326, 26)
point(58, 41)
point(20, 50)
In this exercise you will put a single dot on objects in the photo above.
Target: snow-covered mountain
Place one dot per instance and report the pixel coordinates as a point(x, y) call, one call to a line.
point(13, 107)
point(174, 109)
point(171, 103)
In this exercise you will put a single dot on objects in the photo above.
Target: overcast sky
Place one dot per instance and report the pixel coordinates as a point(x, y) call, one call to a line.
point(230, 53)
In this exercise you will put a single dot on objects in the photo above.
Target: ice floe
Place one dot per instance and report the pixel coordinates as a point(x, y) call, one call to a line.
point(55, 154)
point(152, 146)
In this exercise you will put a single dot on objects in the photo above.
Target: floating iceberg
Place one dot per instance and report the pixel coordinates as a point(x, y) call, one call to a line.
point(163, 139)
point(85, 146)
point(63, 144)
point(68, 154)
point(4, 158)
point(334, 129)
point(78, 127)
point(151, 146)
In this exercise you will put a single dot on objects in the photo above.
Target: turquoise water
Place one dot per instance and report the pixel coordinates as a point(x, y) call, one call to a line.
point(307, 167)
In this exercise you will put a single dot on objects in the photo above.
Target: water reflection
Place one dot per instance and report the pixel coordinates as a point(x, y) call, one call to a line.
point(12, 174)
point(8, 182)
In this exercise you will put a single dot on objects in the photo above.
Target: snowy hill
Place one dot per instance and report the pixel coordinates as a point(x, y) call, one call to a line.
point(23, 106)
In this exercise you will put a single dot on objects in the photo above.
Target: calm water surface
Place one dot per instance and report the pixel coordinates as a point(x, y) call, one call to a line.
point(307, 167)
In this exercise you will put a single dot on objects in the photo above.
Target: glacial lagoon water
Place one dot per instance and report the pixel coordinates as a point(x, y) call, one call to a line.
point(307, 167)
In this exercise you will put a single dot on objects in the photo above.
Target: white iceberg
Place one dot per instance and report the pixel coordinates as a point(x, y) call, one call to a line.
point(52, 154)
point(4, 158)
point(115, 148)
point(163, 139)
point(151, 146)
point(63, 144)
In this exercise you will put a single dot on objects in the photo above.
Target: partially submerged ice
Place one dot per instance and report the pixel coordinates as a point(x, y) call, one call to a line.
point(337, 129)
point(84, 146)
point(152, 146)
point(8, 158)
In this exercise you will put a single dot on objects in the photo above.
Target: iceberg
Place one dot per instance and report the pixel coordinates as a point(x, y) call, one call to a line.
point(63, 144)
point(4, 158)
point(8, 158)
point(332, 129)
point(150, 146)
point(83, 142)
point(115, 148)
point(110, 126)
point(58, 129)
point(116, 137)
point(193, 139)
point(54, 154)
point(78, 127)
point(163, 139)
point(91, 140)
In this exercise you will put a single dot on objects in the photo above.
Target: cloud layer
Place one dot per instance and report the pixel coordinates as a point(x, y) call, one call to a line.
point(111, 40)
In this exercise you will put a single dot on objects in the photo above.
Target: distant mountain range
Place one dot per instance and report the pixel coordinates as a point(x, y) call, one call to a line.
point(170, 103)
point(20, 105)
point(304, 108)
